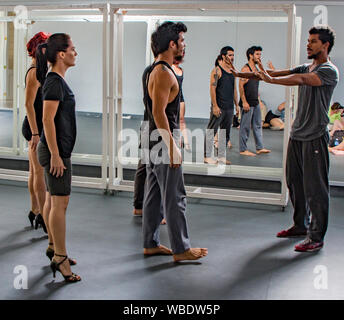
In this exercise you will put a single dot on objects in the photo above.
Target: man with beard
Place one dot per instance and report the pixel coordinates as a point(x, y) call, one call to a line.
point(307, 165)
point(165, 182)
point(249, 104)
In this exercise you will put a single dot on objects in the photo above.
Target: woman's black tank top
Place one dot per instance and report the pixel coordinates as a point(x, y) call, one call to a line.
point(38, 105)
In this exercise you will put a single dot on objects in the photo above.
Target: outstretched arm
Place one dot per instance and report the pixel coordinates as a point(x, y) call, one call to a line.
point(246, 75)
point(273, 72)
point(309, 79)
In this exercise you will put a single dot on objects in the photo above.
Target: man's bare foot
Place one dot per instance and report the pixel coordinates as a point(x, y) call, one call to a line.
point(248, 153)
point(229, 145)
point(210, 161)
point(191, 254)
point(137, 212)
point(263, 151)
point(157, 250)
point(224, 161)
point(163, 221)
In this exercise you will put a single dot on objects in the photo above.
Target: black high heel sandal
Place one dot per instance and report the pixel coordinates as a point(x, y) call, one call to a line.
point(31, 217)
point(55, 267)
point(50, 254)
point(40, 221)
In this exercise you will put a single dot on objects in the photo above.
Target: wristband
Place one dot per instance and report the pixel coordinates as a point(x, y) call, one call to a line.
point(36, 134)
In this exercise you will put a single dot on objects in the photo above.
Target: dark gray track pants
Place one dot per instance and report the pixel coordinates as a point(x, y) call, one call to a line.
point(307, 171)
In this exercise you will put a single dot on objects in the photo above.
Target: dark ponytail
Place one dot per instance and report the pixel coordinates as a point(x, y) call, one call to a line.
point(47, 52)
point(223, 52)
point(219, 58)
point(41, 63)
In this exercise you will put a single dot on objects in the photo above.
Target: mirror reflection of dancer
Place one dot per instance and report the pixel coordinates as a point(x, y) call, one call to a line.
point(249, 104)
point(223, 95)
point(164, 182)
point(32, 129)
point(180, 76)
point(56, 145)
point(307, 165)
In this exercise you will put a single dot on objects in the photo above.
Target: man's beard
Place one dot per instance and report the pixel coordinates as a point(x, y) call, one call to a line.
point(314, 56)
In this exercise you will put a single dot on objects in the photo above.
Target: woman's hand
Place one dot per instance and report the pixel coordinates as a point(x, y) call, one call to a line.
point(34, 142)
point(56, 166)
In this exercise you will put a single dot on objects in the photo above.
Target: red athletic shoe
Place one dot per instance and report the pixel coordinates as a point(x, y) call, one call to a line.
point(292, 232)
point(309, 245)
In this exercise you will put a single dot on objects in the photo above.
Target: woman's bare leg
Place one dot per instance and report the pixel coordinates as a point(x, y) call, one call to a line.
point(31, 182)
point(38, 183)
point(57, 223)
point(46, 215)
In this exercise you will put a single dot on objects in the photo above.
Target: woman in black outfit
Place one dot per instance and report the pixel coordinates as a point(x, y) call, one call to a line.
point(32, 129)
point(56, 145)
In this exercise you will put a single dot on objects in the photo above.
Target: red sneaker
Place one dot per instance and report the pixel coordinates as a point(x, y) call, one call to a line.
point(309, 245)
point(292, 232)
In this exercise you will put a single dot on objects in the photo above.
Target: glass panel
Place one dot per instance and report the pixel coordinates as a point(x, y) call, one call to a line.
point(85, 79)
point(134, 59)
point(6, 83)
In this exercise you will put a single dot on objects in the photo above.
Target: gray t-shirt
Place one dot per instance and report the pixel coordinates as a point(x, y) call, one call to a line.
point(313, 103)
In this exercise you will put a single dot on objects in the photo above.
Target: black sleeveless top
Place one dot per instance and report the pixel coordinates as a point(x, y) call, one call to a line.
point(38, 105)
point(172, 109)
point(225, 90)
point(251, 91)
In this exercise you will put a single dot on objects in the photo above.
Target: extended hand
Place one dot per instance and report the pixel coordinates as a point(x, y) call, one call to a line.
point(260, 65)
point(265, 76)
point(232, 68)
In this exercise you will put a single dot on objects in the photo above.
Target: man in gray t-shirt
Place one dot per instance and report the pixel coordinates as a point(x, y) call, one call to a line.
point(311, 118)
point(307, 164)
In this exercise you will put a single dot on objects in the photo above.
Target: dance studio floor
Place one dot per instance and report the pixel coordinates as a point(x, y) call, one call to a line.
point(245, 261)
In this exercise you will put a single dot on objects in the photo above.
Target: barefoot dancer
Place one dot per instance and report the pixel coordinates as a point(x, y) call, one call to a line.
point(250, 111)
point(165, 182)
point(223, 95)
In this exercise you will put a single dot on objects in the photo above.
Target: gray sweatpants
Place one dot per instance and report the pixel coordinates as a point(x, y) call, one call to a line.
point(307, 171)
point(254, 118)
point(165, 185)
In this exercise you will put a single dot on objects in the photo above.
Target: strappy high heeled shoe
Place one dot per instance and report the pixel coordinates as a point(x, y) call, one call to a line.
point(55, 266)
point(50, 254)
point(40, 221)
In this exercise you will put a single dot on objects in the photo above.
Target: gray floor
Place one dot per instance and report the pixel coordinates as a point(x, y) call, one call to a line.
point(245, 261)
point(90, 134)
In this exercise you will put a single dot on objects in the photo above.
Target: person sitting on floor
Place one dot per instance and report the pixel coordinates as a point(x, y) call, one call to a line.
point(335, 115)
point(269, 119)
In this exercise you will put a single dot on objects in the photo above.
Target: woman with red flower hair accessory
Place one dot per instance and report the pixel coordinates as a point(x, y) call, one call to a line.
point(32, 129)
